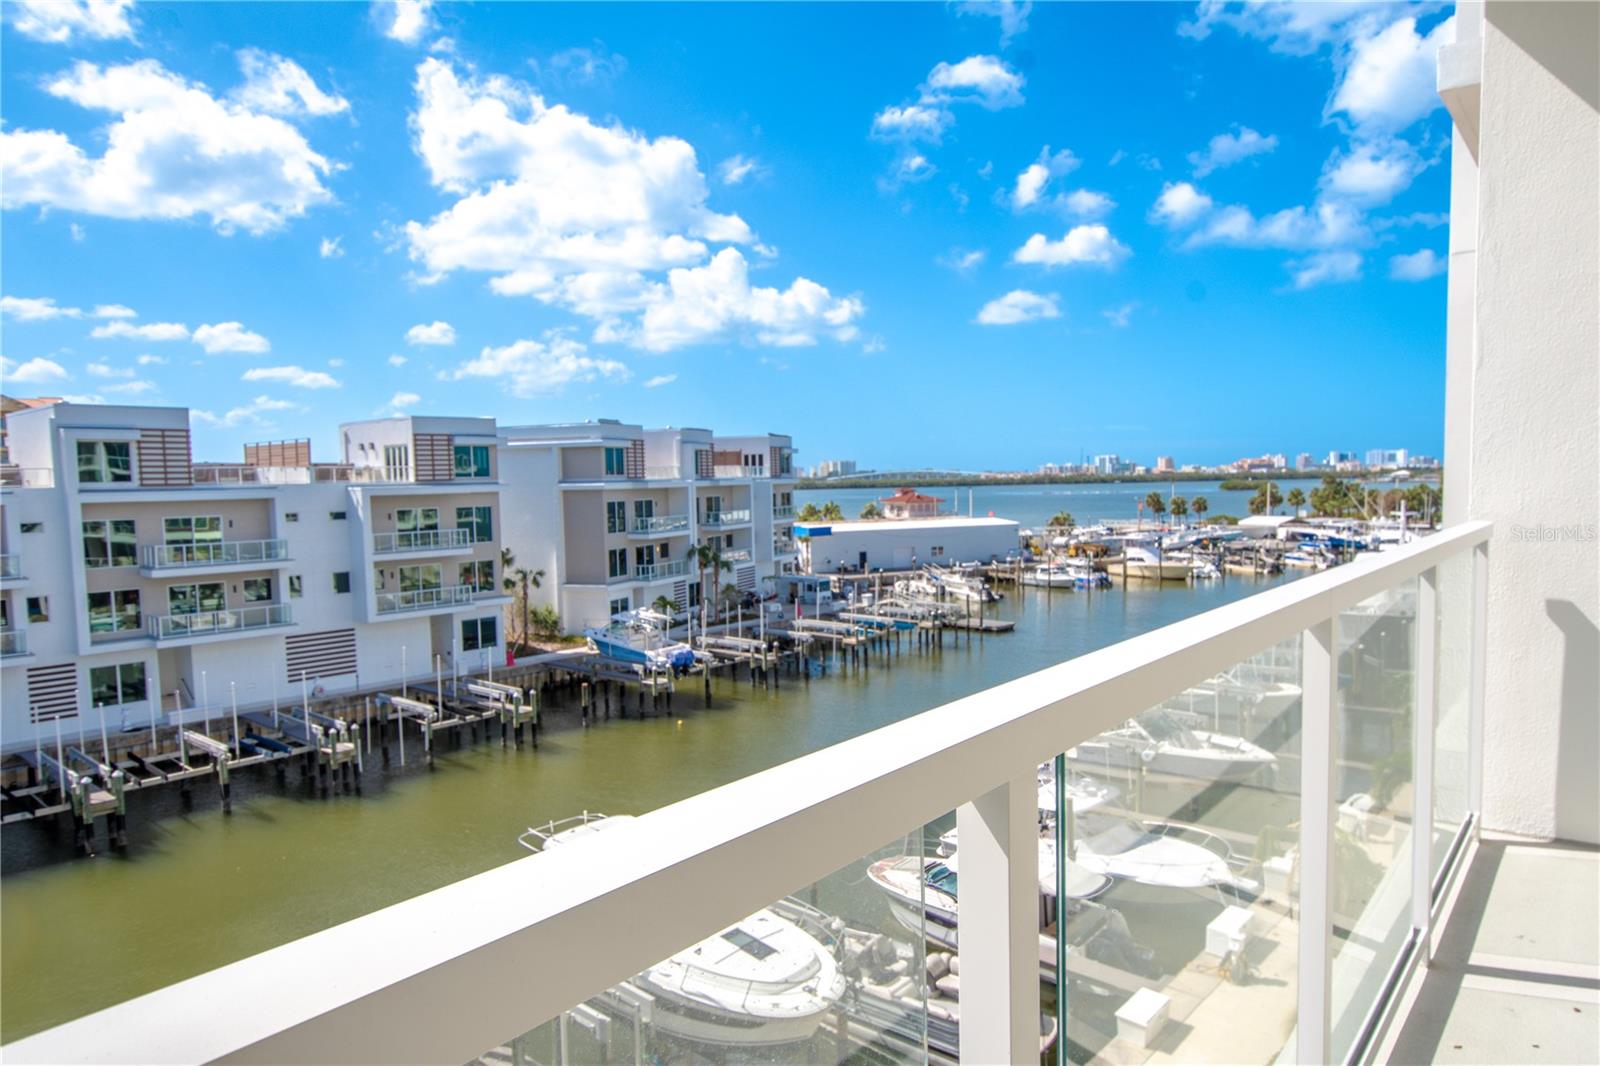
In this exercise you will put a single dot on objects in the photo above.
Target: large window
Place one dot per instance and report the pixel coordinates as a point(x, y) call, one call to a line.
point(644, 510)
point(472, 460)
point(616, 516)
point(109, 542)
point(644, 555)
point(258, 590)
point(478, 576)
point(616, 462)
point(478, 519)
point(478, 633)
point(416, 519)
point(38, 609)
point(620, 606)
point(341, 581)
point(114, 612)
point(617, 562)
point(192, 529)
point(416, 578)
point(197, 598)
point(104, 461)
point(113, 685)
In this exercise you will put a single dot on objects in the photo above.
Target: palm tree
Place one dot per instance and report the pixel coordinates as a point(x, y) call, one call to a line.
point(832, 512)
point(1179, 507)
point(665, 605)
point(872, 510)
point(1062, 520)
point(519, 581)
point(1266, 499)
point(708, 556)
point(1199, 506)
point(809, 513)
point(1296, 499)
point(1155, 504)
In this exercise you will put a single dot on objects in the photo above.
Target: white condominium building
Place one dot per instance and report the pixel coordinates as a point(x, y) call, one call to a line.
point(137, 582)
point(611, 511)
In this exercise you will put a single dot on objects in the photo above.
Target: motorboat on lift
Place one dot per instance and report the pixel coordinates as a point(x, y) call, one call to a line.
point(767, 979)
point(1161, 743)
point(961, 584)
point(1074, 573)
point(638, 637)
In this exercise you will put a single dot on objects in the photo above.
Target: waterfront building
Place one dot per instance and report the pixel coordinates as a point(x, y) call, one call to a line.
point(864, 546)
point(1165, 465)
point(834, 468)
point(909, 503)
point(1386, 458)
point(1303, 461)
point(1337, 459)
point(139, 582)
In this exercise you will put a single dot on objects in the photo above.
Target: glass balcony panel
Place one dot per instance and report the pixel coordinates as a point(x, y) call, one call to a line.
point(1450, 717)
point(1182, 930)
point(1372, 875)
point(840, 971)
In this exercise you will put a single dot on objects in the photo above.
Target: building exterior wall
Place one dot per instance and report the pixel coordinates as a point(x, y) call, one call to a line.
point(1524, 333)
point(891, 545)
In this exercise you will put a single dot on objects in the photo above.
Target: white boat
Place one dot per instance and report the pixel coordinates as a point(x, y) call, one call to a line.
point(1066, 574)
point(958, 584)
point(1162, 744)
point(762, 981)
point(639, 638)
point(1141, 561)
point(923, 896)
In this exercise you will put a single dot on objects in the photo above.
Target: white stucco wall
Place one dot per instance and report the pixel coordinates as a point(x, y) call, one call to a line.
point(1523, 446)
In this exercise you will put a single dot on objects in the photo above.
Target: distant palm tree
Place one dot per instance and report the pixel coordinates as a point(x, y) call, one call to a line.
point(809, 513)
point(1296, 499)
point(872, 510)
point(1199, 506)
point(1179, 507)
point(519, 581)
point(1062, 520)
point(832, 512)
point(1155, 504)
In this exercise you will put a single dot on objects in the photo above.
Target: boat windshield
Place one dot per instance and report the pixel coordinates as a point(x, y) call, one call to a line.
point(1163, 728)
point(1108, 835)
point(941, 877)
point(750, 945)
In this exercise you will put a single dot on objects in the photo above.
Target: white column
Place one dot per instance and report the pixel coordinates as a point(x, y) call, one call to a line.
point(1320, 674)
point(1425, 693)
point(999, 931)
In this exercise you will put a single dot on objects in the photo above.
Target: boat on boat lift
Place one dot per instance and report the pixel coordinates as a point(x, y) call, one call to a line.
point(762, 981)
point(638, 637)
point(1161, 743)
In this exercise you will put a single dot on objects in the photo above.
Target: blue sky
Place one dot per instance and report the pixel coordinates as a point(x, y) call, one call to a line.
point(912, 234)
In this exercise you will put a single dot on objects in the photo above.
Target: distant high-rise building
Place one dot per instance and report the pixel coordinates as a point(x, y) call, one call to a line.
point(1108, 464)
point(1386, 457)
point(1303, 461)
point(835, 468)
point(1335, 458)
point(1164, 464)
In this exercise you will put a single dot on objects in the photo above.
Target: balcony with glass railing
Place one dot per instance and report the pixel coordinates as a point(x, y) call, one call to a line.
point(217, 554)
point(726, 519)
point(423, 541)
point(1251, 816)
point(659, 571)
point(736, 555)
point(785, 546)
point(656, 525)
point(238, 620)
point(13, 642)
point(26, 477)
point(426, 599)
point(781, 512)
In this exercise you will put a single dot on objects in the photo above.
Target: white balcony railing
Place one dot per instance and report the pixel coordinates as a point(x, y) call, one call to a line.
point(205, 623)
point(214, 553)
point(671, 523)
point(735, 470)
point(781, 512)
point(425, 599)
point(662, 473)
point(26, 477)
point(422, 540)
point(723, 519)
point(657, 571)
point(785, 546)
point(10, 566)
point(705, 863)
point(736, 555)
point(13, 642)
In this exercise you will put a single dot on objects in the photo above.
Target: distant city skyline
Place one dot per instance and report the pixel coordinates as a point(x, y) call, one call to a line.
point(994, 243)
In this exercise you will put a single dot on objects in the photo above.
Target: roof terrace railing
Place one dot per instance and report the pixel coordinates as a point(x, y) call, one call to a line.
point(449, 975)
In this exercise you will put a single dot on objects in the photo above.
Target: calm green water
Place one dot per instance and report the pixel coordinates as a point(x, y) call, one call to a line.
point(199, 889)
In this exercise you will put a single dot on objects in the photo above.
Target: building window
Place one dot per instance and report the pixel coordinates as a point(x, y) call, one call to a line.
point(341, 581)
point(620, 606)
point(31, 527)
point(616, 462)
point(643, 511)
point(258, 590)
point(113, 685)
point(694, 594)
point(472, 460)
point(416, 519)
point(193, 599)
point(420, 578)
point(644, 555)
point(397, 461)
point(478, 576)
point(109, 543)
point(102, 462)
point(336, 516)
point(937, 551)
point(114, 612)
point(295, 588)
point(478, 519)
point(291, 516)
point(478, 633)
point(192, 529)
point(616, 516)
point(617, 562)
point(38, 609)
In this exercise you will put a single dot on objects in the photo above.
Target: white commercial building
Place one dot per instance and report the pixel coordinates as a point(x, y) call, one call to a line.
point(138, 583)
point(829, 547)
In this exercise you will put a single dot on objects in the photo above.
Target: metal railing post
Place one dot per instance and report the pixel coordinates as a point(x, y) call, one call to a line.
point(1000, 924)
point(1475, 683)
point(1423, 713)
point(1320, 673)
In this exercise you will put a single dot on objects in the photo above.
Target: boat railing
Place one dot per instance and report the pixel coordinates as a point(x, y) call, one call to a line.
point(702, 864)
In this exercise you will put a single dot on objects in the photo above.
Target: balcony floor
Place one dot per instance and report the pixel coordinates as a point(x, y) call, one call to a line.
point(1516, 975)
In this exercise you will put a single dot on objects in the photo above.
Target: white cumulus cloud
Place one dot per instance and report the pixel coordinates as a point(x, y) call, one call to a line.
point(1180, 204)
point(1417, 266)
point(1389, 80)
point(404, 20)
point(60, 21)
point(149, 331)
point(987, 81)
point(33, 371)
point(912, 122)
point(1018, 305)
point(1012, 15)
point(1035, 178)
point(1321, 268)
point(113, 311)
point(1226, 149)
point(172, 151)
point(274, 85)
point(254, 413)
point(1090, 244)
point(299, 377)
point(404, 399)
point(36, 308)
point(437, 333)
point(230, 337)
point(1371, 173)
point(534, 367)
